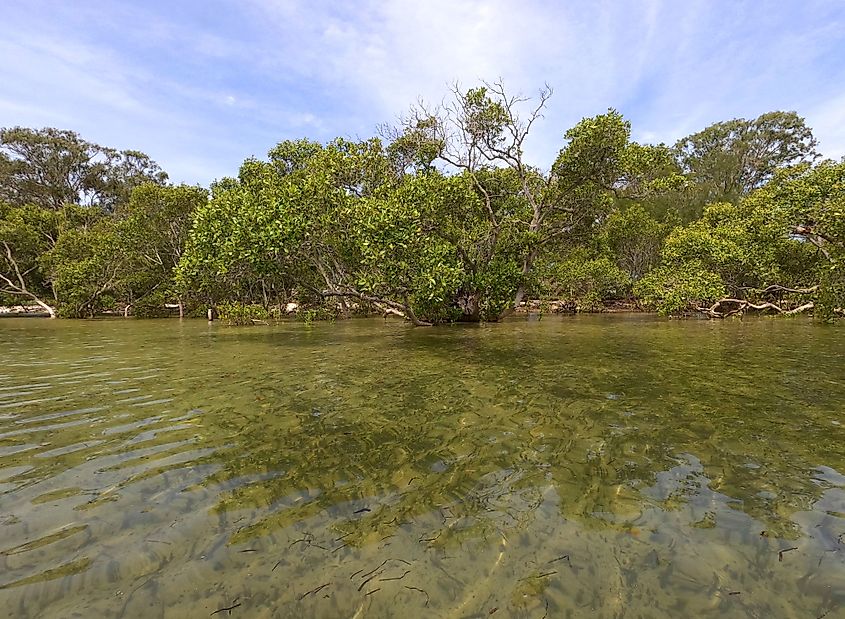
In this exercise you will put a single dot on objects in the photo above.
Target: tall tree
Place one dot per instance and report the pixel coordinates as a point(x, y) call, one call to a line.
point(52, 167)
point(729, 159)
point(487, 128)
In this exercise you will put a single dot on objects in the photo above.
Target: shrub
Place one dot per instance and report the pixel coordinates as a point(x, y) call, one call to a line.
point(679, 289)
point(242, 313)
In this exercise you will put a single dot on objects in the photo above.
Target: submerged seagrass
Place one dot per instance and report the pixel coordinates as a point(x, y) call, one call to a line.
point(566, 467)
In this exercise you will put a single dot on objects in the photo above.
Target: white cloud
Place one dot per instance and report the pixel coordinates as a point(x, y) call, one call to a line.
point(200, 94)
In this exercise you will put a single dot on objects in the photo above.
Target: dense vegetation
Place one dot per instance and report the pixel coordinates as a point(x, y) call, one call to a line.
point(440, 219)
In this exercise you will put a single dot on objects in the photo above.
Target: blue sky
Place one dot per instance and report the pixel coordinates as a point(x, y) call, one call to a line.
point(201, 85)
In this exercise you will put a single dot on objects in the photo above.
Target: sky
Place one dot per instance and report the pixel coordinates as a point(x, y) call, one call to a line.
point(202, 85)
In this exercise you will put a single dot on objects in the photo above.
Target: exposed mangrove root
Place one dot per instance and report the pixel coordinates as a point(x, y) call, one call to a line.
point(724, 308)
point(386, 306)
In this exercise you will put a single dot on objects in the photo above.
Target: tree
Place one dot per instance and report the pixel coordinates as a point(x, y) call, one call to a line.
point(781, 249)
point(284, 221)
point(51, 167)
point(154, 229)
point(445, 223)
point(486, 128)
point(85, 268)
point(93, 261)
point(728, 160)
point(634, 240)
point(581, 280)
point(26, 233)
point(807, 204)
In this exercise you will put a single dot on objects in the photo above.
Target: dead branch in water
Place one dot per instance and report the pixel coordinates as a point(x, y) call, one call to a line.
point(723, 308)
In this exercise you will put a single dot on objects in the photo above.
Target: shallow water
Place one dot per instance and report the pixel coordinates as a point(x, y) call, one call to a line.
point(568, 467)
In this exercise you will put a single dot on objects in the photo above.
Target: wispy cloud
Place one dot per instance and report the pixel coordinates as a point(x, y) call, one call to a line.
point(202, 85)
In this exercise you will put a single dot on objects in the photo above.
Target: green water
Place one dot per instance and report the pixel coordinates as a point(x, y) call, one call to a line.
point(569, 467)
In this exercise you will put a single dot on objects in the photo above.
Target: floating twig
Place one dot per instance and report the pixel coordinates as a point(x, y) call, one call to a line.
point(780, 553)
point(373, 591)
point(157, 541)
point(362, 510)
point(395, 577)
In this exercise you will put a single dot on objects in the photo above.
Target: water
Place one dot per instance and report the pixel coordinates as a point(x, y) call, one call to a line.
point(587, 467)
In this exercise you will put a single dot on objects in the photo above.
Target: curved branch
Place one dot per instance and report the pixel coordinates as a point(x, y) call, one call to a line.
point(20, 288)
point(740, 306)
point(401, 309)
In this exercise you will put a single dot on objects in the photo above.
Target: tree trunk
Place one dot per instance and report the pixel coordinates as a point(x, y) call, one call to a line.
point(19, 288)
point(470, 310)
point(46, 307)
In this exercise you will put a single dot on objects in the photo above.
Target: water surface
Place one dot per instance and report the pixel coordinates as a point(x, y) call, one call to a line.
point(568, 467)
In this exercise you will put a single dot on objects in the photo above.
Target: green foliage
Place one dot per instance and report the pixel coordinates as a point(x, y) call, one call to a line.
point(416, 148)
point(584, 281)
point(634, 239)
point(153, 304)
point(680, 288)
point(85, 267)
point(26, 233)
point(154, 228)
point(445, 222)
point(728, 160)
point(314, 314)
point(51, 168)
point(234, 313)
point(807, 204)
point(727, 243)
point(790, 233)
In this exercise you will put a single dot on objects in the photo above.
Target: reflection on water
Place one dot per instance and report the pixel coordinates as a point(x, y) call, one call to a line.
point(598, 466)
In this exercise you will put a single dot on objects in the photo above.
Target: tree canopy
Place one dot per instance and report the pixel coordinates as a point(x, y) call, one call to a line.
point(440, 219)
